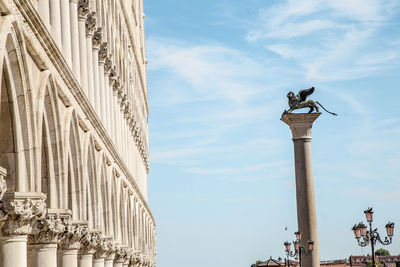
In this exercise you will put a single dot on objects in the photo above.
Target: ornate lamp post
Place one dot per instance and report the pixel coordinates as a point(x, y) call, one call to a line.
point(365, 237)
point(298, 249)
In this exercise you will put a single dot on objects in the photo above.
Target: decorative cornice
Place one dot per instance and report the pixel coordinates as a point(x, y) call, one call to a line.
point(90, 23)
point(18, 211)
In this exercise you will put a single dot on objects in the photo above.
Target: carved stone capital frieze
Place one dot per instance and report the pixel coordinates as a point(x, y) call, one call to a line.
point(90, 23)
point(71, 238)
point(18, 212)
point(107, 65)
point(49, 229)
point(121, 254)
point(83, 9)
point(97, 38)
point(90, 241)
point(3, 184)
point(103, 53)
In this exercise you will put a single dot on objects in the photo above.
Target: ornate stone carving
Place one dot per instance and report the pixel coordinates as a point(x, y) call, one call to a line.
point(107, 66)
point(103, 53)
point(83, 8)
point(90, 23)
point(121, 254)
point(117, 86)
point(3, 184)
point(72, 236)
point(18, 215)
point(97, 37)
point(49, 229)
point(90, 241)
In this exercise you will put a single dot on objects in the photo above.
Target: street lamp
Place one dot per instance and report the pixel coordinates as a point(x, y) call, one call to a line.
point(298, 249)
point(365, 237)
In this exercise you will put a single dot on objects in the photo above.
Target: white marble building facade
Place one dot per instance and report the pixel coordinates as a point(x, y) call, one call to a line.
point(74, 135)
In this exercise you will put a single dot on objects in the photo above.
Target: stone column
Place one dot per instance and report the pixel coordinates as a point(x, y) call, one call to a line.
point(66, 32)
point(42, 248)
point(109, 261)
point(102, 84)
point(97, 39)
point(44, 12)
point(300, 125)
point(70, 244)
point(89, 242)
point(108, 95)
point(90, 26)
point(83, 10)
point(18, 211)
point(55, 15)
point(120, 257)
point(73, 11)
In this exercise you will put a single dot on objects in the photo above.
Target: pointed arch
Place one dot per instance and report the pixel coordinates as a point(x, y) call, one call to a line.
point(17, 150)
point(48, 124)
point(73, 167)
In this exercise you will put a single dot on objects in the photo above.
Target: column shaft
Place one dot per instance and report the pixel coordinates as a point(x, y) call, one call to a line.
point(44, 12)
point(99, 262)
point(42, 255)
point(82, 55)
point(13, 251)
point(73, 11)
point(55, 21)
point(89, 54)
point(102, 95)
point(117, 264)
point(68, 258)
point(85, 260)
point(97, 104)
point(66, 32)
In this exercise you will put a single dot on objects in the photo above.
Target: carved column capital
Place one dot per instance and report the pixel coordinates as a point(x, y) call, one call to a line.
point(3, 184)
point(18, 211)
point(90, 24)
point(72, 236)
point(97, 38)
point(107, 66)
point(83, 9)
point(90, 241)
point(121, 254)
point(49, 229)
point(103, 54)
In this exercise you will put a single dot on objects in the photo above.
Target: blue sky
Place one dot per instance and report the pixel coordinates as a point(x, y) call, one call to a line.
point(221, 184)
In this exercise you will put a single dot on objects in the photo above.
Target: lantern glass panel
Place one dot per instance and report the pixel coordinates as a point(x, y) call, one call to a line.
point(369, 215)
point(390, 229)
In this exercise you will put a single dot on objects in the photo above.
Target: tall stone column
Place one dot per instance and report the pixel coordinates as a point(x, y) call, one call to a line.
point(108, 95)
point(102, 84)
point(90, 27)
point(73, 11)
point(44, 12)
point(18, 212)
point(70, 244)
point(66, 31)
point(43, 240)
point(55, 18)
point(83, 10)
point(97, 39)
point(301, 125)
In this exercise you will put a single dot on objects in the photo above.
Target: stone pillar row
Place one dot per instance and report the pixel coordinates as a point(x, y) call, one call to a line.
point(34, 236)
point(72, 24)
